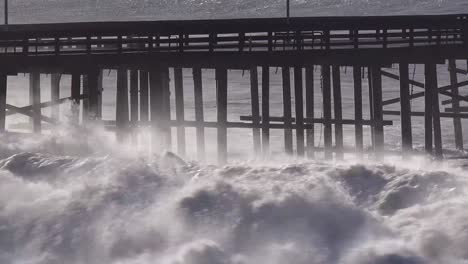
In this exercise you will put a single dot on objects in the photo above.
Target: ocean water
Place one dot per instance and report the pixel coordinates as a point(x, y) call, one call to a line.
point(77, 196)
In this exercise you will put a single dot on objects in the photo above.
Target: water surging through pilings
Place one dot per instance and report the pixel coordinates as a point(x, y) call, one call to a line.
point(116, 208)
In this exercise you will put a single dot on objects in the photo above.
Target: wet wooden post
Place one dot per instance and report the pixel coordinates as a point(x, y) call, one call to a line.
point(55, 95)
point(76, 97)
point(359, 138)
point(327, 128)
point(35, 100)
point(337, 105)
point(299, 105)
point(144, 96)
point(122, 118)
point(257, 145)
point(100, 91)
point(288, 135)
point(3, 96)
point(85, 100)
point(431, 84)
point(180, 111)
point(377, 110)
point(93, 94)
point(199, 114)
point(134, 105)
point(156, 106)
point(265, 110)
point(310, 132)
point(166, 113)
point(221, 102)
point(428, 108)
point(371, 107)
point(405, 113)
point(457, 125)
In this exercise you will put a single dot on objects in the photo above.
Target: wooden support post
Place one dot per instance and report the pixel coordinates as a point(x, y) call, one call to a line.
point(199, 115)
point(85, 91)
point(121, 114)
point(310, 133)
point(371, 106)
point(377, 110)
point(156, 106)
point(257, 144)
point(3, 96)
point(265, 110)
point(428, 70)
point(144, 96)
point(359, 138)
point(221, 103)
point(406, 130)
point(55, 95)
point(93, 94)
point(327, 111)
point(134, 100)
point(431, 84)
point(299, 104)
point(180, 111)
point(166, 108)
point(99, 94)
point(35, 100)
point(457, 125)
point(288, 138)
point(75, 95)
point(337, 105)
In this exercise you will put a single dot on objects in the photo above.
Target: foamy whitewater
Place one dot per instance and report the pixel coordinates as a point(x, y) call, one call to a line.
point(78, 197)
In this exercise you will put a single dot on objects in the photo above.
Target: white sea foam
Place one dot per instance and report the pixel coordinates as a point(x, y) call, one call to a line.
point(129, 208)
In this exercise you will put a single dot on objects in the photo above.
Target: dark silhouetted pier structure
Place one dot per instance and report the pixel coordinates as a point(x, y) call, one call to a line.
point(143, 52)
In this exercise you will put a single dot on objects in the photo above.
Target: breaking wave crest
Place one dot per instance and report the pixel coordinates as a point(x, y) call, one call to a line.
point(113, 208)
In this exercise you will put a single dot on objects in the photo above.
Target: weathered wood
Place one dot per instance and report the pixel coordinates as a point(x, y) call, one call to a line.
point(288, 136)
point(75, 94)
point(323, 121)
point(180, 110)
point(221, 102)
point(93, 94)
point(327, 128)
point(359, 138)
point(199, 115)
point(156, 107)
point(254, 101)
point(85, 103)
point(35, 100)
point(144, 96)
point(310, 104)
point(55, 94)
point(431, 85)
point(371, 106)
point(422, 114)
point(134, 97)
point(457, 125)
point(377, 110)
point(428, 101)
point(166, 113)
point(337, 105)
point(265, 110)
point(405, 106)
point(122, 115)
point(3, 97)
point(299, 105)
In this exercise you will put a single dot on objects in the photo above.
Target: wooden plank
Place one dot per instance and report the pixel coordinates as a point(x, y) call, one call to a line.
point(35, 99)
point(299, 105)
point(265, 110)
point(55, 94)
point(199, 115)
point(122, 115)
point(221, 102)
point(144, 95)
point(3, 97)
point(428, 101)
point(323, 121)
point(405, 106)
point(75, 94)
point(180, 111)
point(422, 114)
point(457, 125)
point(337, 105)
point(310, 104)
point(359, 138)
point(377, 110)
point(254, 101)
point(326, 93)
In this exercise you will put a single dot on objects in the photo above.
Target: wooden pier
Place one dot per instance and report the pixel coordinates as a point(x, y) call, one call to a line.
point(147, 56)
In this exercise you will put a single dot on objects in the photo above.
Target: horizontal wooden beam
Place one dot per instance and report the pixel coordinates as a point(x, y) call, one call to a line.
point(322, 121)
point(460, 109)
point(446, 115)
point(30, 114)
point(12, 111)
point(396, 77)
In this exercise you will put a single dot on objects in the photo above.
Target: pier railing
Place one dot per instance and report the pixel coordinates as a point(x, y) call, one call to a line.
point(236, 35)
